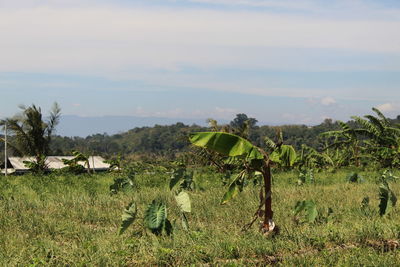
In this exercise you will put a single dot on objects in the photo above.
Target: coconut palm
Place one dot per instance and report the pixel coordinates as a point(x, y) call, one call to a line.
point(31, 135)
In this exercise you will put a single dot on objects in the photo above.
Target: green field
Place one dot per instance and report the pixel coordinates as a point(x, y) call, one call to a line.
point(74, 220)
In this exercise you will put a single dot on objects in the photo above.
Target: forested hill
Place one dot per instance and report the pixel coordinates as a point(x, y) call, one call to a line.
point(168, 140)
point(172, 139)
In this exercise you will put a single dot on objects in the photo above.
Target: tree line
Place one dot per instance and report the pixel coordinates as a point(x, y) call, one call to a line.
point(171, 140)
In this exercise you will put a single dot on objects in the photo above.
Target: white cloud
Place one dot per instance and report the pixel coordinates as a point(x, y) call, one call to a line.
point(328, 101)
point(324, 101)
point(112, 40)
point(387, 107)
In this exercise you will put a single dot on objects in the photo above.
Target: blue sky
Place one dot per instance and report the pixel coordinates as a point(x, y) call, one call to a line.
point(279, 61)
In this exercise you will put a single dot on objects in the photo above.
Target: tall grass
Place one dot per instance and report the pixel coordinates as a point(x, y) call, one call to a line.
point(74, 220)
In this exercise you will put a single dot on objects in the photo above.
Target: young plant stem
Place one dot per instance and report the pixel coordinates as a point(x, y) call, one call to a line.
point(267, 193)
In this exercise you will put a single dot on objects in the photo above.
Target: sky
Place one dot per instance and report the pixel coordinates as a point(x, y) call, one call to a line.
point(278, 61)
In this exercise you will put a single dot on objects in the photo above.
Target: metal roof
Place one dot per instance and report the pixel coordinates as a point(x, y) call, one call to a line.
point(56, 162)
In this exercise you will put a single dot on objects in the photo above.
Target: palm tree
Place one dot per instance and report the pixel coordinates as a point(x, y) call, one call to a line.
point(381, 138)
point(31, 136)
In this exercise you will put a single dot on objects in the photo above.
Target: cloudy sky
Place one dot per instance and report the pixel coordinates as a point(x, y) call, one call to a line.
point(278, 61)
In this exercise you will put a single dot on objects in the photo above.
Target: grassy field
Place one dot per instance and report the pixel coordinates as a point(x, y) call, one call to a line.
point(74, 220)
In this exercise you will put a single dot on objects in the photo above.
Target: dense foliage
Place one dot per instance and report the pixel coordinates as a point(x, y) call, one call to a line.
point(170, 140)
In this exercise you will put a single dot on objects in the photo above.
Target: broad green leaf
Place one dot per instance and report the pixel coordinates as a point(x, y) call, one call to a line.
point(226, 144)
point(308, 209)
point(285, 155)
point(387, 199)
point(311, 212)
point(183, 201)
point(176, 177)
point(232, 192)
point(155, 216)
point(128, 216)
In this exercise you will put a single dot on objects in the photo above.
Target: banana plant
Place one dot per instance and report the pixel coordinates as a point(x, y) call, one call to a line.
point(345, 139)
point(310, 158)
point(383, 138)
point(386, 196)
point(253, 160)
point(73, 164)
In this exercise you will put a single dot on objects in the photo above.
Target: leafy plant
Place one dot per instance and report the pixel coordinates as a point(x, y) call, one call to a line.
point(183, 201)
point(345, 139)
point(388, 176)
point(382, 138)
point(74, 166)
point(128, 217)
point(183, 177)
point(252, 159)
point(185, 180)
point(126, 180)
point(155, 218)
point(185, 206)
point(387, 199)
point(305, 211)
point(115, 163)
point(310, 158)
point(121, 184)
point(38, 165)
point(283, 155)
point(235, 187)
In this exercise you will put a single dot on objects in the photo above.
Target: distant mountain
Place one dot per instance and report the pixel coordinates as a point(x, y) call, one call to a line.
point(72, 125)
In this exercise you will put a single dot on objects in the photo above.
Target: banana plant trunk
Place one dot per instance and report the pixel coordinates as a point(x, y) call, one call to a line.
point(356, 152)
point(268, 224)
